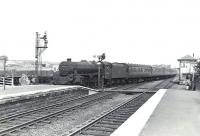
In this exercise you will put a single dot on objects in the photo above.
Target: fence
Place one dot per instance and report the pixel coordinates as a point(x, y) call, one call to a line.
point(7, 81)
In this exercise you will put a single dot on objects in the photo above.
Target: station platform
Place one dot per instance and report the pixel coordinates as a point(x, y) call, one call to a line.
point(14, 93)
point(169, 112)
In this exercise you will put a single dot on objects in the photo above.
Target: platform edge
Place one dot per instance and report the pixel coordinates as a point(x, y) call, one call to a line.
point(134, 125)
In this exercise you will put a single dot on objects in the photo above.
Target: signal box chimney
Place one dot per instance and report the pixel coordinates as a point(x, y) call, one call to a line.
point(69, 59)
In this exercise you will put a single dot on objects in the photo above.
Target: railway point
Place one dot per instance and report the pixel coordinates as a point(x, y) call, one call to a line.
point(169, 112)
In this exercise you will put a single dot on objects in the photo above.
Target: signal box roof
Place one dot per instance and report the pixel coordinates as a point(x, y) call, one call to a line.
point(187, 58)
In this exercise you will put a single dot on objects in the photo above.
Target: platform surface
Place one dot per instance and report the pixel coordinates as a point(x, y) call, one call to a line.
point(25, 88)
point(176, 114)
point(20, 91)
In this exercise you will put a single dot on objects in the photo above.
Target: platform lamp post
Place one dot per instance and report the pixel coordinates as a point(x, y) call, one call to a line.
point(4, 59)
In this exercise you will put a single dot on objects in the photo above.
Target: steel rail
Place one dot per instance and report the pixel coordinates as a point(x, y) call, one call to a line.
point(9, 109)
point(42, 108)
point(134, 85)
point(38, 102)
point(93, 121)
point(157, 85)
point(17, 127)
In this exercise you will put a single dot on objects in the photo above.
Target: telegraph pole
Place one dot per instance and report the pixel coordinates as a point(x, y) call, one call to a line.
point(4, 58)
point(39, 49)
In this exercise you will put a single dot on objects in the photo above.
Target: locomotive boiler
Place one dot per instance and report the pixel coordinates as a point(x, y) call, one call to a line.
point(76, 72)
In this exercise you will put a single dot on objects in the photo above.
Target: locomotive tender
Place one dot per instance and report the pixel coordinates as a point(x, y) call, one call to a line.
point(86, 73)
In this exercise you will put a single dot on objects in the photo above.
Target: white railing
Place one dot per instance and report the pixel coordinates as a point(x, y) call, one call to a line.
point(7, 81)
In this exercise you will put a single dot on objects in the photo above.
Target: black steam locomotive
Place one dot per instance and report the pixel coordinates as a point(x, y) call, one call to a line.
point(86, 73)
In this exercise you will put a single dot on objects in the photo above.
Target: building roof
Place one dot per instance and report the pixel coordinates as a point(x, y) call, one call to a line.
point(187, 58)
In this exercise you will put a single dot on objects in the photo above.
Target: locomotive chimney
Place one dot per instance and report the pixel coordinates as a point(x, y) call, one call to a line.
point(69, 59)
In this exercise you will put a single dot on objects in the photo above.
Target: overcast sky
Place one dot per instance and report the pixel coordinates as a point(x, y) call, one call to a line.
point(134, 31)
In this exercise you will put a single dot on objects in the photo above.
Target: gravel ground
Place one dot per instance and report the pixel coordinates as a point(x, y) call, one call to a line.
point(61, 125)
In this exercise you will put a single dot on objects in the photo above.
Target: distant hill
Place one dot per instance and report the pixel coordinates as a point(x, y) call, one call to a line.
point(28, 65)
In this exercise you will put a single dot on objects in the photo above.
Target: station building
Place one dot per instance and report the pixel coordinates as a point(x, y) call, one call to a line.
point(186, 66)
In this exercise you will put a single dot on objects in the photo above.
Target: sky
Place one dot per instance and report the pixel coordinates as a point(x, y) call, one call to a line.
point(130, 31)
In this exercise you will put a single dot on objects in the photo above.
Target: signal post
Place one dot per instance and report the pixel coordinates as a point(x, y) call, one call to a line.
point(39, 49)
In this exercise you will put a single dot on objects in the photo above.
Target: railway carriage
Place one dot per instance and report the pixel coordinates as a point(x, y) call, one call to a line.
point(139, 72)
point(157, 72)
point(119, 73)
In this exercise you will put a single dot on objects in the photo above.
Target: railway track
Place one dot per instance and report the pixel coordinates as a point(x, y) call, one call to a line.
point(165, 84)
point(126, 87)
point(41, 107)
point(133, 86)
point(160, 85)
point(38, 102)
point(12, 124)
point(106, 123)
point(17, 122)
point(51, 96)
point(169, 85)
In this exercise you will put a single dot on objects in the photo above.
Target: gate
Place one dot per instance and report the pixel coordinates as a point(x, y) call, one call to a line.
point(7, 81)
